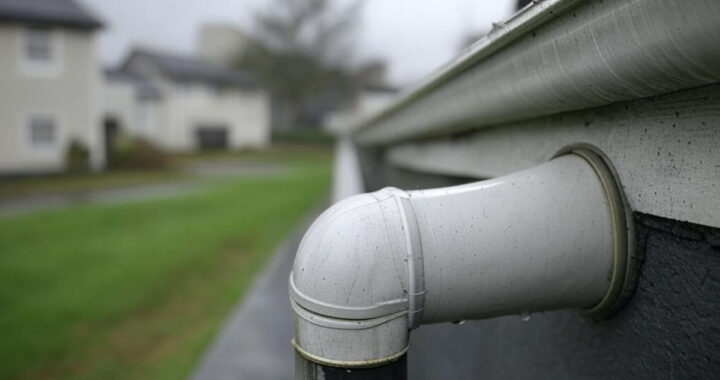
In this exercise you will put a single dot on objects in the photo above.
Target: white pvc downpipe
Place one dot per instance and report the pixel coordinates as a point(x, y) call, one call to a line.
point(374, 266)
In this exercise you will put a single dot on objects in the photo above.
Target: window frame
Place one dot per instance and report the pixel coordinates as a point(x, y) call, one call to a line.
point(28, 127)
point(34, 67)
point(38, 38)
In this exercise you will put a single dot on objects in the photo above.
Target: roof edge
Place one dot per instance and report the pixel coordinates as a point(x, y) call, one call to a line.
point(557, 56)
point(503, 33)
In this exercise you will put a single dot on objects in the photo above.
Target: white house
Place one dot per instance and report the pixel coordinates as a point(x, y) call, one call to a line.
point(185, 103)
point(368, 100)
point(49, 84)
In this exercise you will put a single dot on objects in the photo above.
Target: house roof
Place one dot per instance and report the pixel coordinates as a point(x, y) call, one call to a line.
point(146, 89)
point(66, 13)
point(191, 69)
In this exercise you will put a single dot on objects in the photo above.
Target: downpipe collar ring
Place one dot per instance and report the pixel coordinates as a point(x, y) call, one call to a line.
point(625, 262)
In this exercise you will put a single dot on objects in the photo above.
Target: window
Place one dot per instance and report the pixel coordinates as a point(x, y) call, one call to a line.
point(43, 131)
point(38, 45)
point(40, 51)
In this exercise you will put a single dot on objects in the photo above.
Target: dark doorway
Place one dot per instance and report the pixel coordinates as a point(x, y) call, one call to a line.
point(111, 129)
point(212, 137)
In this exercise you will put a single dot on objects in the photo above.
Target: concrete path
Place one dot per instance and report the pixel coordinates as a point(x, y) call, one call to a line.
point(200, 172)
point(232, 167)
point(255, 344)
point(32, 203)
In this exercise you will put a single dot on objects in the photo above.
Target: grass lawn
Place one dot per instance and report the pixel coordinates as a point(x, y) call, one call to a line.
point(136, 291)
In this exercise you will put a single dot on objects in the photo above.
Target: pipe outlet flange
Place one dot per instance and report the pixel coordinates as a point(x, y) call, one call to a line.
point(625, 261)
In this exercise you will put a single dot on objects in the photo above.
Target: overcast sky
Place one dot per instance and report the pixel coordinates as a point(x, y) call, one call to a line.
point(413, 36)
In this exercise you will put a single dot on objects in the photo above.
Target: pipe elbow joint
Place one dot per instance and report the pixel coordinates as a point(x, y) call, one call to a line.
point(354, 279)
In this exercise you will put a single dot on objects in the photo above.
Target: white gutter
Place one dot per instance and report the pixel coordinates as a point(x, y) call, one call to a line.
point(375, 266)
point(558, 56)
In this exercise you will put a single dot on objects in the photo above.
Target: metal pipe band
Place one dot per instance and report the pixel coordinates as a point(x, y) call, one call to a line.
point(350, 363)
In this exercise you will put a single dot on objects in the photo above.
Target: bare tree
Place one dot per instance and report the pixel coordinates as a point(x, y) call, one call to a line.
point(301, 52)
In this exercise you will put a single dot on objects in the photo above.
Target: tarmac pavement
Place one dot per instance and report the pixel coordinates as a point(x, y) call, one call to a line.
point(254, 343)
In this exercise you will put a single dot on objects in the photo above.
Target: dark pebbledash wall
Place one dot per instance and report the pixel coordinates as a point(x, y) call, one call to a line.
point(670, 329)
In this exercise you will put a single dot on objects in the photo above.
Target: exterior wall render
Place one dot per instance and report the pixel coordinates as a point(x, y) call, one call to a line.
point(664, 149)
point(70, 94)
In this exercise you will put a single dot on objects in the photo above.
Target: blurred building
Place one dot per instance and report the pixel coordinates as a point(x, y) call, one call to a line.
point(370, 94)
point(373, 92)
point(49, 84)
point(185, 103)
